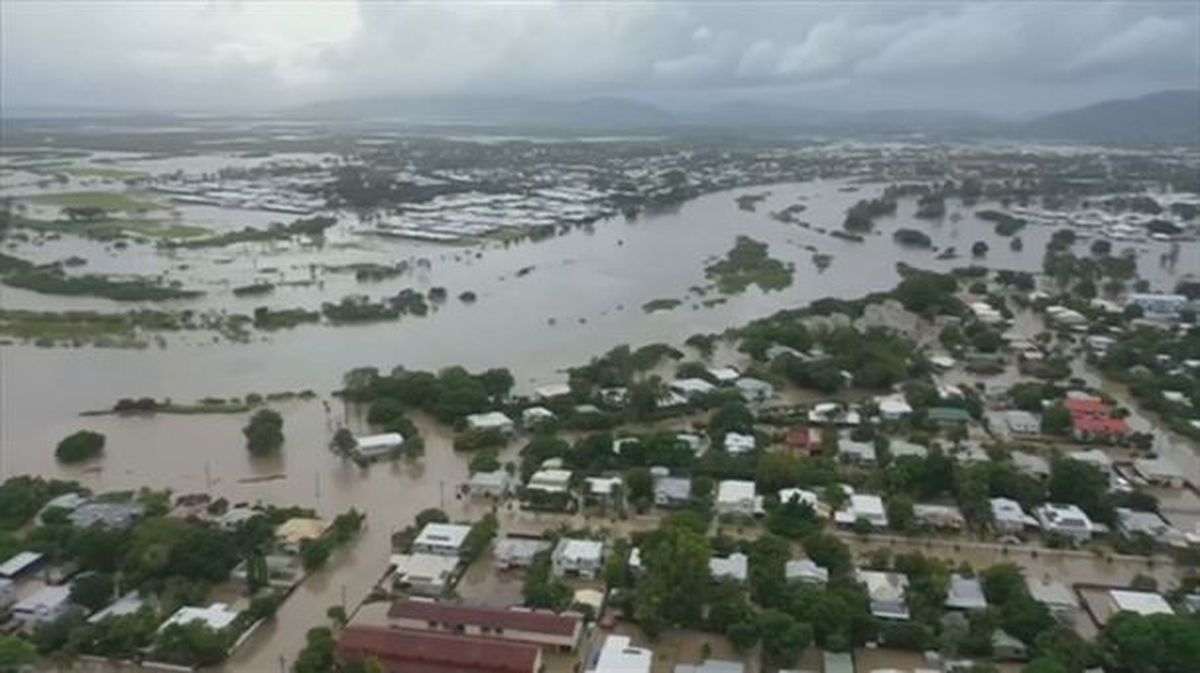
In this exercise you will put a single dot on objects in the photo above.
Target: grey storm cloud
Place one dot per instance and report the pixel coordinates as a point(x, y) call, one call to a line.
point(255, 55)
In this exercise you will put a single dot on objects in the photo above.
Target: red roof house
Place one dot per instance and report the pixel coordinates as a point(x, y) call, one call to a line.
point(536, 627)
point(405, 651)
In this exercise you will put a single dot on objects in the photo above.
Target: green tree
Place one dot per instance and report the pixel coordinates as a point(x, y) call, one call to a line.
point(79, 446)
point(768, 557)
point(1082, 484)
point(1153, 643)
point(1056, 420)
point(900, 513)
point(15, 653)
point(783, 638)
point(92, 590)
point(264, 433)
point(192, 644)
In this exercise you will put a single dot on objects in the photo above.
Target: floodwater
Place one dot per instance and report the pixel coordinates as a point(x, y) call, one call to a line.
point(582, 296)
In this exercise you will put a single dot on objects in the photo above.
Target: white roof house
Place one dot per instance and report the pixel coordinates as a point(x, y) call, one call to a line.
point(1139, 602)
point(20, 563)
point(900, 448)
point(44, 605)
point(1056, 596)
point(800, 495)
point(965, 593)
point(617, 655)
point(1028, 463)
point(886, 591)
point(1134, 522)
point(125, 605)
point(893, 407)
point(603, 488)
point(378, 445)
point(491, 420)
point(518, 552)
point(1022, 422)
point(496, 483)
point(724, 374)
point(939, 516)
point(1094, 457)
point(734, 567)
point(444, 539)
point(735, 496)
point(552, 390)
point(738, 443)
point(692, 387)
point(550, 481)
point(1065, 520)
point(426, 574)
point(216, 616)
point(532, 416)
point(672, 491)
point(1008, 517)
point(754, 390)
point(863, 506)
point(856, 453)
point(1161, 471)
point(576, 557)
point(805, 570)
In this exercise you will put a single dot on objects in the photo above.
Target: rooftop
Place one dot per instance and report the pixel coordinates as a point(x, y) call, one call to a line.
point(449, 535)
point(216, 616)
point(432, 652)
point(493, 617)
point(294, 531)
point(1140, 602)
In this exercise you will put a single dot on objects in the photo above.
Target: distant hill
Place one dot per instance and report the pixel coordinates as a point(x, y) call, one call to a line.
point(1164, 117)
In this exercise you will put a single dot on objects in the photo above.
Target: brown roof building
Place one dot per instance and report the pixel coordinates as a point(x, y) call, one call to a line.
point(404, 651)
point(544, 629)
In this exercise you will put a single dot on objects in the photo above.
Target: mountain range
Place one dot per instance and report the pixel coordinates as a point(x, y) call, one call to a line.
point(1164, 117)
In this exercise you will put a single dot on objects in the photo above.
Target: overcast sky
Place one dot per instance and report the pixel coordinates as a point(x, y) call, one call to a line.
point(1007, 57)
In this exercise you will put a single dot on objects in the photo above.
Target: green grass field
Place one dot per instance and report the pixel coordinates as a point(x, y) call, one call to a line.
point(119, 227)
point(116, 201)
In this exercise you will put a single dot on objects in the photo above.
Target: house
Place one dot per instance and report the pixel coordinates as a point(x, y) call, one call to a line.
point(1091, 418)
point(408, 650)
point(535, 416)
point(754, 391)
point(216, 617)
point(724, 375)
point(605, 491)
point(236, 517)
point(692, 441)
point(490, 421)
point(1022, 423)
point(736, 497)
point(861, 454)
point(737, 443)
point(671, 492)
point(616, 396)
point(20, 564)
point(900, 448)
point(8, 594)
point(893, 407)
point(425, 574)
point(985, 313)
point(291, 533)
point(1009, 518)
point(1139, 602)
point(1150, 524)
point(734, 567)
point(692, 388)
point(118, 515)
point(125, 605)
point(833, 412)
point(1158, 306)
point(838, 662)
point(66, 502)
point(866, 507)
point(577, 558)
point(1094, 457)
point(670, 399)
point(942, 362)
point(946, 517)
point(965, 593)
point(496, 484)
point(1056, 596)
point(1064, 520)
point(541, 628)
point(442, 539)
point(552, 391)
point(800, 495)
point(378, 446)
point(550, 481)
point(617, 655)
point(1008, 648)
point(805, 441)
point(886, 591)
point(1160, 471)
point(45, 605)
point(805, 571)
point(948, 415)
point(283, 570)
point(1030, 464)
point(518, 552)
